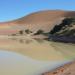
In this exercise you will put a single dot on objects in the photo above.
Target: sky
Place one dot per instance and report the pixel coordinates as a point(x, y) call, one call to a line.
point(14, 9)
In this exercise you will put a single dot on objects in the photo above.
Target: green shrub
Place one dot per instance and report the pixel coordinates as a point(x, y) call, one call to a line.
point(21, 32)
point(28, 31)
point(39, 32)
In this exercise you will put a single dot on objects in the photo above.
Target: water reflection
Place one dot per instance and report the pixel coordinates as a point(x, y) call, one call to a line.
point(27, 41)
point(67, 49)
point(39, 49)
point(19, 56)
point(22, 41)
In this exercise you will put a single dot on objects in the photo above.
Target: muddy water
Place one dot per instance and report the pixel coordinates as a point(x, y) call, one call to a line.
point(32, 56)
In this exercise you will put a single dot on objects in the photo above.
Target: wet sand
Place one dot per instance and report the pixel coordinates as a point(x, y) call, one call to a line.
point(67, 69)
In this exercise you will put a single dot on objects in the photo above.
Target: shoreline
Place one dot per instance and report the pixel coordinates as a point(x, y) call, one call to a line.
point(66, 69)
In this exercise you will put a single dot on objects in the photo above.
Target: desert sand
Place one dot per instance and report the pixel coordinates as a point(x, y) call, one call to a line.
point(67, 69)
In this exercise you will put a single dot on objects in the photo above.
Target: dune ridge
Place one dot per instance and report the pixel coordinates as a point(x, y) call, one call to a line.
point(44, 20)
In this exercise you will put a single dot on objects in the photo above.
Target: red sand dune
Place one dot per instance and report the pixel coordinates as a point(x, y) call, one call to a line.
point(44, 20)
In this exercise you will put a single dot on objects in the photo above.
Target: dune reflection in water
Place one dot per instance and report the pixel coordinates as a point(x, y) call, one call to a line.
point(32, 57)
point(39, 49)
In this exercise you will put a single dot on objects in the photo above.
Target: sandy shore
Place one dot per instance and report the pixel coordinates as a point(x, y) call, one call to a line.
point(67, 69)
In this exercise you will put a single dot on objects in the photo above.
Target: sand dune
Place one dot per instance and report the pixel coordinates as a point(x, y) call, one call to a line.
point(44, 20)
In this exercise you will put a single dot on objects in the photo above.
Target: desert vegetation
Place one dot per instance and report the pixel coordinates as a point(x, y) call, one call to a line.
point(65, 23)
point(39, 32)
point(64, 32)
point(22, 32)
point(27, 31)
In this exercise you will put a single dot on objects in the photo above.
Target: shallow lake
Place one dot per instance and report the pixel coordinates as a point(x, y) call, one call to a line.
point(33, 56)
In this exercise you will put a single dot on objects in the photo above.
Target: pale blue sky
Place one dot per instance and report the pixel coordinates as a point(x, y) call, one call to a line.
point(13, 9)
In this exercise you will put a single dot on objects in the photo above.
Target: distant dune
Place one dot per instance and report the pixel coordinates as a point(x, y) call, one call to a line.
point(44, 20)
